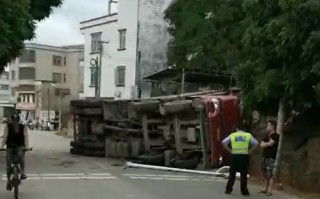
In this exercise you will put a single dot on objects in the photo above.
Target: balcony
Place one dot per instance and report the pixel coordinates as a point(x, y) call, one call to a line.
point(28, 82)
point(28, 65)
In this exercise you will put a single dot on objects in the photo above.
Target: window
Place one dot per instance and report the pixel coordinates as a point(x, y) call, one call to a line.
point(5, 76)
point(56, 60)
point(27, 73)
point(28, 56)
point(95, 42)
point(122, 39)
point(64, 61)
point(4, 87)
point(92, 76)
point(64, 78)
point(13, 75)
point(120, 76)
point(57, 77)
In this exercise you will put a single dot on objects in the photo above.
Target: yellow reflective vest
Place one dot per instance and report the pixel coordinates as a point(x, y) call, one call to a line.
point(240, 142)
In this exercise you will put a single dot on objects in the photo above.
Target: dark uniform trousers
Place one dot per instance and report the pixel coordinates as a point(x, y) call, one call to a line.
point(239, 163)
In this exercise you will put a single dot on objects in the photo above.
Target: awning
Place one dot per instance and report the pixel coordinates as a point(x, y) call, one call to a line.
point(26, 106)
point(192, 76)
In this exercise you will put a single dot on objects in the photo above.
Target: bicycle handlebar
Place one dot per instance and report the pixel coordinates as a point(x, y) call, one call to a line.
point(25, 149)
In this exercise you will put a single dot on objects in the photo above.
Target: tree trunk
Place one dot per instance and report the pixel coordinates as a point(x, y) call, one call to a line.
point(281, 120)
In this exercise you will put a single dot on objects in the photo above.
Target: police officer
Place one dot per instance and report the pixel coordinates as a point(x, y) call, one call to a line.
point(240, 144)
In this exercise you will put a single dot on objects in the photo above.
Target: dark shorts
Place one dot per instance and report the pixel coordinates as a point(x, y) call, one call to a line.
point(268, 167)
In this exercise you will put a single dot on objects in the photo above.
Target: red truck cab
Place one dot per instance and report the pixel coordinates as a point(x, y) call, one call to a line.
point(223, 114)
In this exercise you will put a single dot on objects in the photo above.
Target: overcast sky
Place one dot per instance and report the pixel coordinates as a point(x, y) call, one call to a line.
point(62, 27)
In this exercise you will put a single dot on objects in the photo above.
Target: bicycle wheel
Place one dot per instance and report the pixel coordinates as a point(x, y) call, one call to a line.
point(16, 191)
point(16, 182)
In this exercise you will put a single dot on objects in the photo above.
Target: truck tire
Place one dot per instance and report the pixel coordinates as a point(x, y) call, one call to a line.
point(185, 163)
point(94, 153)
point(76, 144)
point(135, 148)
point(89, 103)
point(178, 106)
point(113, 149)
point(94, 145)
point(198, 104)
point(152, 159)
point(92, 111)
point(76, 151)
point(145, 106)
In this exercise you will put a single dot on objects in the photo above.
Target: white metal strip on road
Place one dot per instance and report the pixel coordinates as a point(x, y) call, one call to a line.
point(158, 178)
point(152, 175)
point(174, 177)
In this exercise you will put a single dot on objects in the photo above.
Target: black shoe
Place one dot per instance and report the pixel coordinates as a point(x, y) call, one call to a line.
point(246, 193)
point(228, 192)
point(9, 186)
point(23, 176)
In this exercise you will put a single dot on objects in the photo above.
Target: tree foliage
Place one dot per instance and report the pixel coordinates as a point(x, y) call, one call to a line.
point(272, 45)
point(17, 24)
point(206, 33)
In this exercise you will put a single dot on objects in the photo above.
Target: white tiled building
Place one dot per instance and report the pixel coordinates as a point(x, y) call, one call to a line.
point(32, 75)
point(134, 44)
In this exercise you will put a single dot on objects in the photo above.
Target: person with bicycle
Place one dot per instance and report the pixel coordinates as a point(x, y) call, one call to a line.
point(15, 138)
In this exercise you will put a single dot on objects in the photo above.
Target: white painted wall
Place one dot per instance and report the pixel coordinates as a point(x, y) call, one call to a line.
point(153, 39)
point(108, 27)
point(112, 56)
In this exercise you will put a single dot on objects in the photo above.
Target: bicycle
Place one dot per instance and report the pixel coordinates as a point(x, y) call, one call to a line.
point(15, 170)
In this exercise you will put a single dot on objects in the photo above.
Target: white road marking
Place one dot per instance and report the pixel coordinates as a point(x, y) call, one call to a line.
point(69, 176)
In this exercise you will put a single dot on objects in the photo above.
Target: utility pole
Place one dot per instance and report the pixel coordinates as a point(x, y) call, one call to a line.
point(60, 111)
point(97, 63)
point(183, 82)
point(48, 92)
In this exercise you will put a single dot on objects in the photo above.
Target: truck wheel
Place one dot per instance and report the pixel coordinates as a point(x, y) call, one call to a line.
point(92, 111)
point(94, 153)
point(185, 164)
point(76, 144)
point(178, 106)
point(94, 145)
point(145, 106)
point(76, 151)
point(152, 159)
point(198, 104)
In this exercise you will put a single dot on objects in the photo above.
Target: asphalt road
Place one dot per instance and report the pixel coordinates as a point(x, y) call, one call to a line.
point(55, 174)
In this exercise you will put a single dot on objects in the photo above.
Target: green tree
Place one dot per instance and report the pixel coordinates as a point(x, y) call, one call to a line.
point(206, 33)
point(273, 46)
point(285, 66)
point(17, 24)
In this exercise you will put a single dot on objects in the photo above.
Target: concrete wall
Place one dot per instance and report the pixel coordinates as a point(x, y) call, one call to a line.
point(153, 40)
point(300, 157)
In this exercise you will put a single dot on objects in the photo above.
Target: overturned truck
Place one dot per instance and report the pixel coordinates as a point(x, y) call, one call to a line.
point(183, 131)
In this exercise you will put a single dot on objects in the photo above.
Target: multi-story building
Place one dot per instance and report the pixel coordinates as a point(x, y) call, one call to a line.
point(134, 43)
point(43, 74)
point(6, 101)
